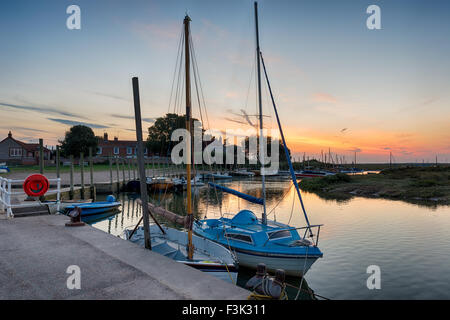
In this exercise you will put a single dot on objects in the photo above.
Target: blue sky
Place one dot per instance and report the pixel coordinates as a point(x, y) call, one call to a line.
point(387, 88)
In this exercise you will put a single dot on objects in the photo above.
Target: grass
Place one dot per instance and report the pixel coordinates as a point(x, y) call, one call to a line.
point(412, 184)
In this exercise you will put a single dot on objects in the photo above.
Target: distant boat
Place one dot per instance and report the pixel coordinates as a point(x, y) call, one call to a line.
point(96, 207)
point(181, 183)
point(313, 173)
point(219, 175)
point(243, 173)
point(4, 168)
point(160, 184)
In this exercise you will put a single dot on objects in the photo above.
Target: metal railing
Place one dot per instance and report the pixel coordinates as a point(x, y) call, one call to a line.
point(6, 193)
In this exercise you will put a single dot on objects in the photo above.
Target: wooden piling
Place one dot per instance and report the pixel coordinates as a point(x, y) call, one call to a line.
point(129, 169)
point(140, 155)
point(91, 170)
point(118, 176)
point(82, 173)
point(41, 156)
point(57, 162)
point(71, 178)
point(123, 173)
point(110, 173)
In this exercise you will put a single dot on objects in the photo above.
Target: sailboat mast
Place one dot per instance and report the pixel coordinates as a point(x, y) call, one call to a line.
point(261, 137)
point(188, 141)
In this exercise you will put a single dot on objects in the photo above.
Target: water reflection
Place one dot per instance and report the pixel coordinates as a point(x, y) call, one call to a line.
point(410, 243)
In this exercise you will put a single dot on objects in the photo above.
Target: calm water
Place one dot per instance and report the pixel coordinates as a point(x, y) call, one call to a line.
point(410, 243)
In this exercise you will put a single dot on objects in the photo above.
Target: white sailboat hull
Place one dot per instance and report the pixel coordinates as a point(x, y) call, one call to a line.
point(296, 267)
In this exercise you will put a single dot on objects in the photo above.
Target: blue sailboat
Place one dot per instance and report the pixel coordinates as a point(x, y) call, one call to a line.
point(254, 240)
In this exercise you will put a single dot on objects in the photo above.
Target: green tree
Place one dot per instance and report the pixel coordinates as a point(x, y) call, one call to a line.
point(78, 139)
point(158, 140)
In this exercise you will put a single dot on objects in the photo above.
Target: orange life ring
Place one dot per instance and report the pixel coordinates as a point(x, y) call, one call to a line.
point(36, 185)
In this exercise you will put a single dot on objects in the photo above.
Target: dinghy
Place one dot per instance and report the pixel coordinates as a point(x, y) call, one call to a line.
point(96, 207)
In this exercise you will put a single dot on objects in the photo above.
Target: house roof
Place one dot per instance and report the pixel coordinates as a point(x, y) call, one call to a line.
point(26, 146)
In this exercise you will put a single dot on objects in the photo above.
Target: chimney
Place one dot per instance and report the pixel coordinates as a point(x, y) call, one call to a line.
point(9, 134)
point(105, 136)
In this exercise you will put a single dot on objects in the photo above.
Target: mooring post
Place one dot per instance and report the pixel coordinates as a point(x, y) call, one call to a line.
point(57, 162)
point(91, 167)
point(129, 169)
point(81, 160)
point(140, 156)
point(71, 178)
point(41, 156)
point(118, 175)
point(110, 173)
point(123, 173)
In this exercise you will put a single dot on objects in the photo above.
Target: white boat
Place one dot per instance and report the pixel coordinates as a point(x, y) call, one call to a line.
point(209, 256)
point(219, 175)
point(243, 173)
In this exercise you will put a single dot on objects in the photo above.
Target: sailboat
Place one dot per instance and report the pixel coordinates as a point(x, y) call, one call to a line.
point(179, 245)
point(254, 240)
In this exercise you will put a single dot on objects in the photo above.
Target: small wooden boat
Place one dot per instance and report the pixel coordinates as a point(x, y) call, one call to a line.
point(96, 207)
point(160, 184)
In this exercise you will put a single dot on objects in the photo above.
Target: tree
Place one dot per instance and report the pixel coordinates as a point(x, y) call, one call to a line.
point(78, 139)
point(158, 140)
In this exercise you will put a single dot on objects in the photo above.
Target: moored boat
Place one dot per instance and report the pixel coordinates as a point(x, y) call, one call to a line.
point(208, 256)
point(254, 240)
point(97, 207)
point(313, 173)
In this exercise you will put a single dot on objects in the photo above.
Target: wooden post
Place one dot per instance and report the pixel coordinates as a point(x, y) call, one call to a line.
point(123, 172)
point(110, 173)
point(118, 176)
point(129, 169)
point(91, 168)
point(41, 156)
point(57, 162)
point(71, 178)
point(140, 155)
point(82, 174)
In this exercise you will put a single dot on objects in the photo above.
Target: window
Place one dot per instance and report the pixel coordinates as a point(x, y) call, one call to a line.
point(99, 150)
point(239, 237)
point(116, 150)
point(279, 234)
point(129, 150)
point(15, 152)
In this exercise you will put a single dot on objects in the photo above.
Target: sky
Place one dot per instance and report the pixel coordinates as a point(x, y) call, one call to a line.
point(338, 85)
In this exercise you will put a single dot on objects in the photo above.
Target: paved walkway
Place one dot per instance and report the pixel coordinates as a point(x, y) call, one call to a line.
point(35, 253)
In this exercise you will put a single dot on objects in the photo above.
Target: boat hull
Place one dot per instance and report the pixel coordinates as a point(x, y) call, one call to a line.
point(296, 266)
point(219, 262)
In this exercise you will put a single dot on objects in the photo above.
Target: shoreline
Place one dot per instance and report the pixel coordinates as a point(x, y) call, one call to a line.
point(423, 186)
